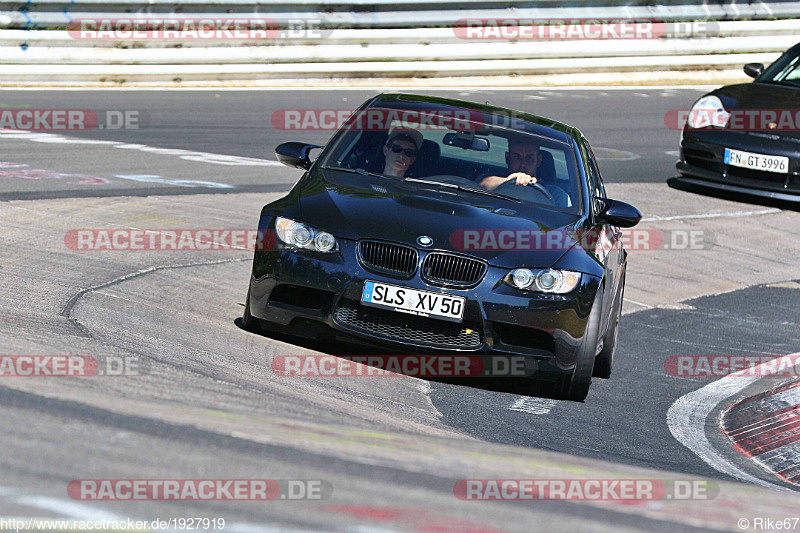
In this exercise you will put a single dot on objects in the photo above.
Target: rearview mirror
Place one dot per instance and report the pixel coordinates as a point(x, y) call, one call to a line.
point(466, 141)
point(620, 214)
point(754, 70)
point(295, 154)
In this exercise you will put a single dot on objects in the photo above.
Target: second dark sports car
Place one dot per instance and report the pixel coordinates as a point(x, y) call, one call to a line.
point(429, 224)
point(746, 138)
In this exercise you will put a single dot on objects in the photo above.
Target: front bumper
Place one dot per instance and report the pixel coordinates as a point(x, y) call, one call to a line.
point(299, 291)
point(702, 163)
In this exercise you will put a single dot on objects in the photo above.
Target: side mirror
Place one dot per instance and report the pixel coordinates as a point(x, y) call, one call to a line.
point(295, 154)
point(754, 70)
point(620, 214)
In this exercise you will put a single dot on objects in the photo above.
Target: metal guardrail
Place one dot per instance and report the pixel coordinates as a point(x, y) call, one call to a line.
point(397, 38)
point(556, 57)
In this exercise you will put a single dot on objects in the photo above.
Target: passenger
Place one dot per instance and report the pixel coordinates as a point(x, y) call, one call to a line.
point(523, 160)
point(401, 150)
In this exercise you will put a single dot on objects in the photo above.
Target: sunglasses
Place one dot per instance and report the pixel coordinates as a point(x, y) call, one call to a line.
point(396, 148)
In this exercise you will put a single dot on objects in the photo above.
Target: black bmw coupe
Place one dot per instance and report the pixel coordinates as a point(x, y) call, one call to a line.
point(428, 225)
point(746, 138)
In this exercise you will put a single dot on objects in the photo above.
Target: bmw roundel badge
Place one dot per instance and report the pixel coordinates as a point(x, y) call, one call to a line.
point(424, 240)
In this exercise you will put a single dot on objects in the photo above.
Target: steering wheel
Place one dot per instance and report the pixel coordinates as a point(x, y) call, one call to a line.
point(521, 191)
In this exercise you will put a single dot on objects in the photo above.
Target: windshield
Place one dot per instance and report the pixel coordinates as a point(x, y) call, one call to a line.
point(476, 155)
point(785, 70)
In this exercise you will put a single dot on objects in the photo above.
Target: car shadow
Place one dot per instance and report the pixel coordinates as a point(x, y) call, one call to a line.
point(678, 184)
point(326, 342)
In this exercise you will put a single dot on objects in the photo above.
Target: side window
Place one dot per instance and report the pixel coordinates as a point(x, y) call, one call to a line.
point(596, 188)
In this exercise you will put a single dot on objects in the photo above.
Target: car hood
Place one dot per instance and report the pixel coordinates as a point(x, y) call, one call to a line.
point(366, 207)
point(761, 96)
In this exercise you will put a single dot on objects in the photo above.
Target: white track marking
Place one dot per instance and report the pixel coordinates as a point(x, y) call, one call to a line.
point(639, 303)
point(687, 420)
point(150, 178)
point(64, 508)
point(188, 155)
point(534, 406)
point(714, 215)
point(675, 153)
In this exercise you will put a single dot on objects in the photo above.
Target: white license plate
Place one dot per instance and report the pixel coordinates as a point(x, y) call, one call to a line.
point(411, 301)
point(767, 163)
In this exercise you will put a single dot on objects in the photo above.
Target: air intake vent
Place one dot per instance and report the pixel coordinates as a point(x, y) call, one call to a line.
point(400, 327)
point(452, 270)
point(388, 258)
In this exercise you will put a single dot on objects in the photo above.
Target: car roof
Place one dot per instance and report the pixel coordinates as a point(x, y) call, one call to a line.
point(538, 125)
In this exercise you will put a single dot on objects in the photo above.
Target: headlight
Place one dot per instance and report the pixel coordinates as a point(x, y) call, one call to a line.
point(297, 234)
point(550, 280)
point(708, 111)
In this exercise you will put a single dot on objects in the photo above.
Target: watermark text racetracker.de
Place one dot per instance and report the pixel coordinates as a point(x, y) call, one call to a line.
point(763, 120)
point(632, 239)
point(516, 29)
point(169, 239)
point(693, 366)
point(376, 119)
point(609, 490)
point(199, 489)
point(71, 366)
point(73, 119)
point(387, 119)
point(423, 366)
point(168, 28)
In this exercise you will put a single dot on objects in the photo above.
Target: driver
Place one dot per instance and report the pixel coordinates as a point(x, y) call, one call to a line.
point(523, 159)
point(401, 150)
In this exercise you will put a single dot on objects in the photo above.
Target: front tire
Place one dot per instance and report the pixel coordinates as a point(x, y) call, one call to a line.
point(605, 359)
point(575, 386)
point(249, 322)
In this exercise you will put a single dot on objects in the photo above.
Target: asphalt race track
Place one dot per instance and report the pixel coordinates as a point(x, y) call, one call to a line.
point(204, 403)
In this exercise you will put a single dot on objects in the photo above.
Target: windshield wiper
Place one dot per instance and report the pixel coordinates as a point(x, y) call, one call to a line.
point(357, 171)
point(467, 189)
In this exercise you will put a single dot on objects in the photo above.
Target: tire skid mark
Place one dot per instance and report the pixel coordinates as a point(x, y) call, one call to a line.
point(66, 311)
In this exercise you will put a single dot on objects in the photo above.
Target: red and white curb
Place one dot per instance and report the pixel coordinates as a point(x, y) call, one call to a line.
point(766, 428)
point(688, 416)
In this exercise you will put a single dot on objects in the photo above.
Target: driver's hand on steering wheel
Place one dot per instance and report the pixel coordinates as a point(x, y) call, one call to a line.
point(522, 178)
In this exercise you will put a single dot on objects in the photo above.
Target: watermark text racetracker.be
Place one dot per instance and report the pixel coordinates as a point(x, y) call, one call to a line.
point(618, 490)
point(166, 28)
point(72, 119)
point(71, 366)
